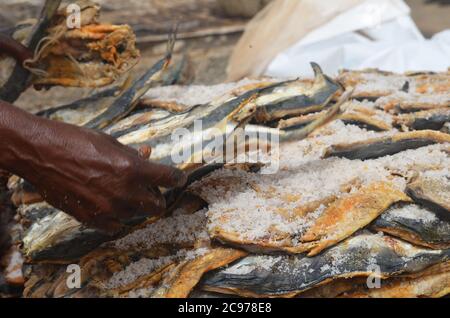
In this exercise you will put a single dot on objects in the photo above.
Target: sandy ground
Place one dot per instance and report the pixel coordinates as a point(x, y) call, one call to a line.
point(431, 16)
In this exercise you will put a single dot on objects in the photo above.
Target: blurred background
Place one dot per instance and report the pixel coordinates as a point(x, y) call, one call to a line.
point(208, 32)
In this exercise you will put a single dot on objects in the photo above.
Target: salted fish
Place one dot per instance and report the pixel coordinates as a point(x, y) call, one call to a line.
point(289, 276)
point(429, 119)
point(401, 102)
point(433, 192)
point(335, 223)
point(163, 259)
point(84, 110)
point(387, 146)
point(355, 118)
point(431, 283)
point(93, 55)
point(57, 237)
point(373, 84)
point(268, 101)
point(415, 224)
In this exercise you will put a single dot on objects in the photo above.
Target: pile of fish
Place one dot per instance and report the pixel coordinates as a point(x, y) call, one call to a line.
point(89, 55)
point(359, 207)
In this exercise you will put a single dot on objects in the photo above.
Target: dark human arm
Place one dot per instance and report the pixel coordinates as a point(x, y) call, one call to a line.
point(85, 173)
point(14, 49)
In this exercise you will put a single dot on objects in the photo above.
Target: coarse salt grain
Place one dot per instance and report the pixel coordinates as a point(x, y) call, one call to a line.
point(410, 212)
point(179, 229)
point(145, 266)
point(252, 208)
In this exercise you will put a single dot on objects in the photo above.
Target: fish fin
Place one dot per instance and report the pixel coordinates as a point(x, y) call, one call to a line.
point(319, 77)
point(171, 44)
point(322, 80)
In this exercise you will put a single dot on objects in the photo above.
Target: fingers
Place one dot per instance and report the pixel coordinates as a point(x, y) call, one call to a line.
point(152, 173)
point(107, 225)
point(162, 175)
point(145, 201)
point(145, 152)
point(150, 202)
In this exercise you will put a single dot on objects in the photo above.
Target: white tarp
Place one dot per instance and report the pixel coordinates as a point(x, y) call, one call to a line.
point(373, 34)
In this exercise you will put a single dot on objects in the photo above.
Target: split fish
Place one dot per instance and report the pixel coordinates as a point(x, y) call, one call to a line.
point(387, 146)
point(433, 193)
point(289, 276)
point(429, 119)
point(416, 225)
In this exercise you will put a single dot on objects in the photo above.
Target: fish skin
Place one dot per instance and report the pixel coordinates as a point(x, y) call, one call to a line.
point(158, 134)
point(435, 122)
point(126, 102)
point(431, 193)
point(386, 146)
point(34, 212)
point(331, 114)
point(289, 276)
point(135, 120)
point(424, 120)
point(432, 234)
point(209, 114)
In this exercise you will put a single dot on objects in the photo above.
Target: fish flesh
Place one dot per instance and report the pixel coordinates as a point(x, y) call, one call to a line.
point(55, 237)
point(387, 146)
point(269, 214)
point(289, 276)
point(416, 225)
point(191, 273)
point(337, 288)
point(345, 216)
